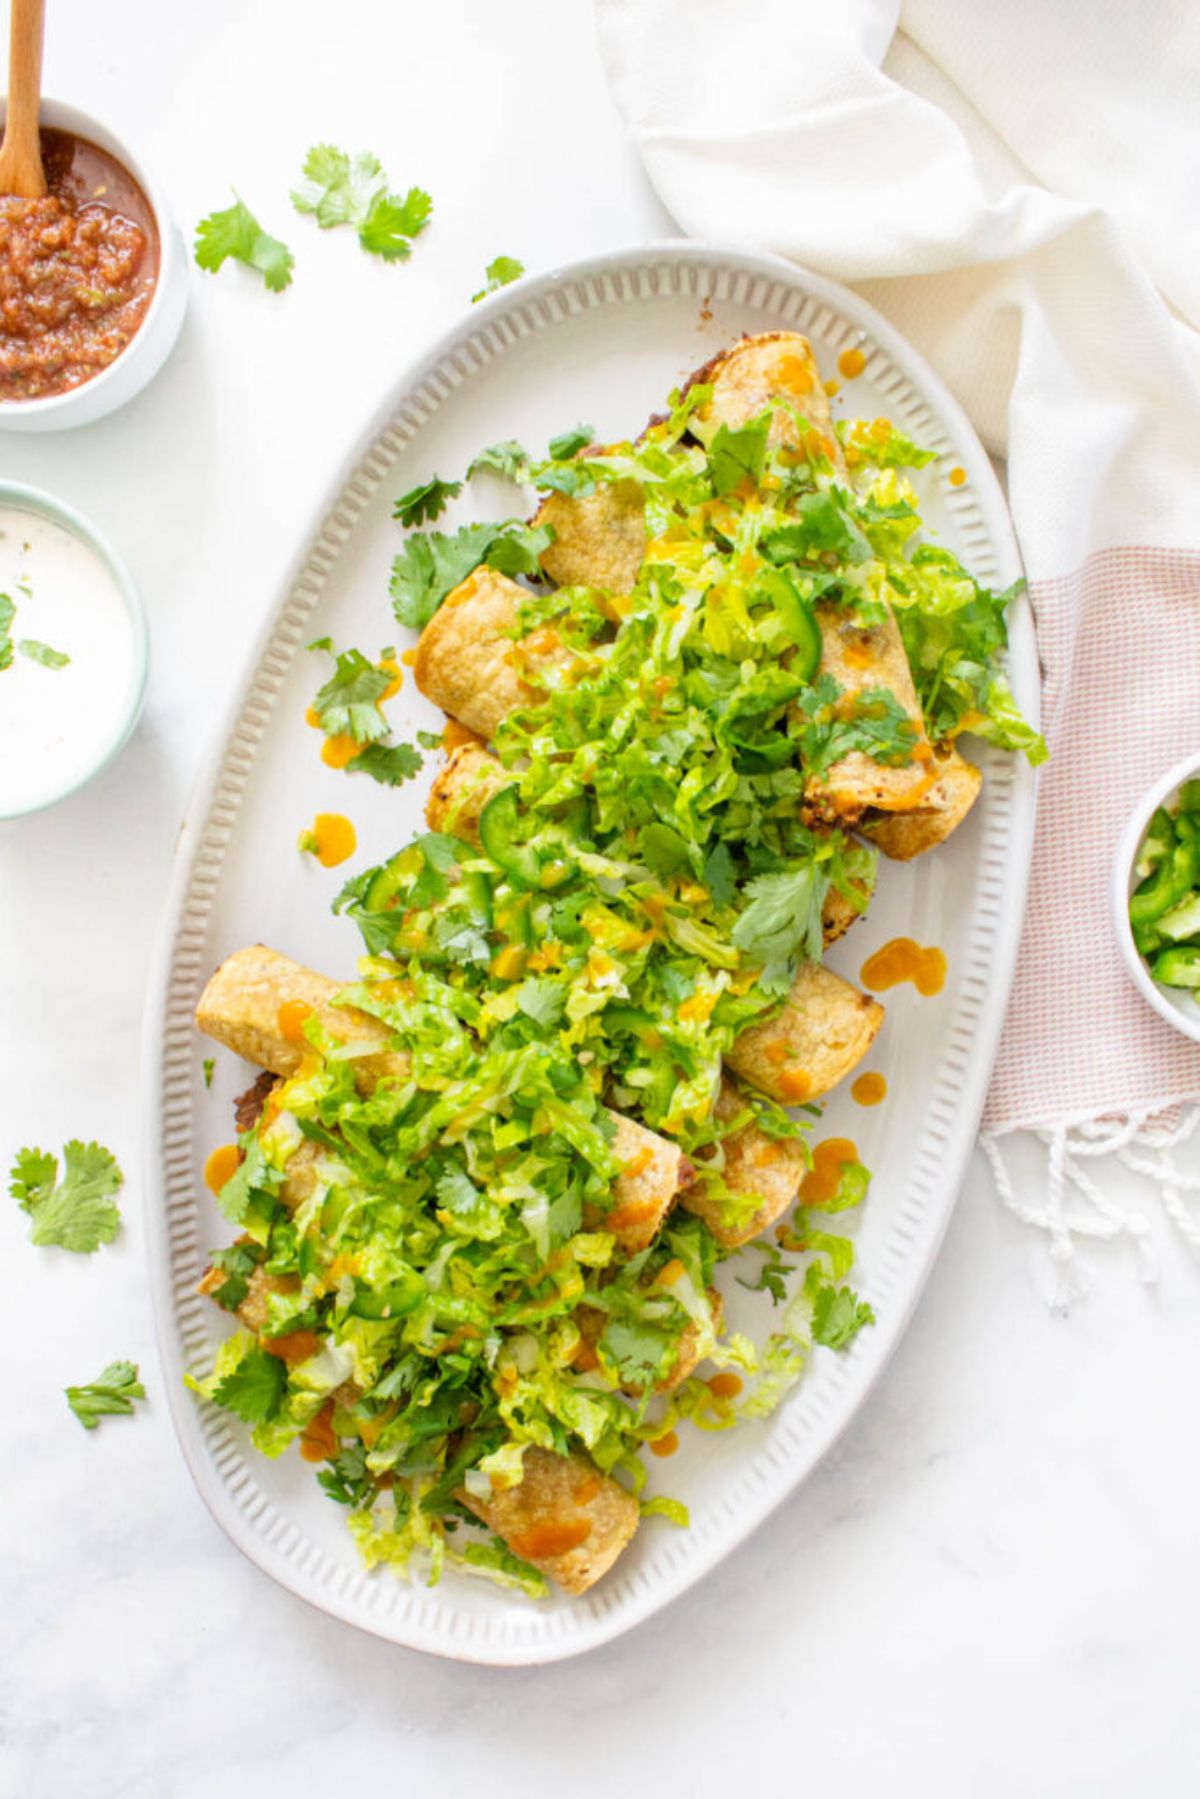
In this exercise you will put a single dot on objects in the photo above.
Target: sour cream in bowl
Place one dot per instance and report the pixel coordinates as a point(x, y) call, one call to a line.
point(73, 653)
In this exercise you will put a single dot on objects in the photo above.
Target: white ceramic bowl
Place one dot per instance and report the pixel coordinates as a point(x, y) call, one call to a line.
point(1179, 1007)
point(31, 499)
point(152, 343)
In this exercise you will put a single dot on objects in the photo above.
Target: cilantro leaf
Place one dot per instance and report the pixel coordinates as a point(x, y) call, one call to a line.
point(78, 1213)
point(737, 455)
point(254, 1389)
point(348, 703)
point(339, 189)
point(642, 1353)
point(207, 1067)
point(499, 272)
point(507, 459)
point(772, 1275)
point(392, 223)
point(571, 442)
point(541, 999)
point(110, 1395)
point(783, 918)
point(431, 564)
point(237, 233)
point(719, 875)
point(517, 549)
point(391, 764)
point(426, 501)
point(7, 614)
point(237, 1264)
point(838, 1315)
point(822, 526)
point(41, 652)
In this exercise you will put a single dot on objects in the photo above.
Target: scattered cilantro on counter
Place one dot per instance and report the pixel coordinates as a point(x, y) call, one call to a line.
point(499, 272)
point(110, 1395)
point(339, 189)
point(77, 1213)
point(237, 233)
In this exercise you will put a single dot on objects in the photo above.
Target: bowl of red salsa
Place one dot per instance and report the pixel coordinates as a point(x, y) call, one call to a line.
point(93, 280)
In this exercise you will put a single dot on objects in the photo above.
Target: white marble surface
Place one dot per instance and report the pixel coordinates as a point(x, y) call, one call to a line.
point(989, 1589)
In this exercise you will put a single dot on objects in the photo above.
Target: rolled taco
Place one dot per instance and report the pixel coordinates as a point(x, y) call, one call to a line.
point(564, 1517)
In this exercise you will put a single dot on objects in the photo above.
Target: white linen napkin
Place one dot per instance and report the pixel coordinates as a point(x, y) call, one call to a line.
point(1014, 187)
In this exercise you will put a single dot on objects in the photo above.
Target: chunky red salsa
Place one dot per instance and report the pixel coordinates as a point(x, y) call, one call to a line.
point(77, 270)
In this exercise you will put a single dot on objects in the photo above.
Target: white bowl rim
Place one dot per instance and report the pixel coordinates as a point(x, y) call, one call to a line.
point(23, 498)
point(1121, 888)
point(60, 115)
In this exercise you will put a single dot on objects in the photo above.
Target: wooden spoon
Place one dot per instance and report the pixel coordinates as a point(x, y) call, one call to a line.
point(21, 171)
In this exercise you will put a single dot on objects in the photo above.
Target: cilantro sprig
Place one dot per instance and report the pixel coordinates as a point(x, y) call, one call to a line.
point(110, 1395)
point(499, 272)
point(236, 234)
point(341, 189)
point(77, 1213)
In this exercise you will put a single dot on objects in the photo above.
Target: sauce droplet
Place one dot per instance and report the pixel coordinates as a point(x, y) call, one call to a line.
point(958, 477)
point(832, 388)
point(904, 960)
point(331, 840)
point(851, 362)
point(409, 658)
point(290, 1019)
point(667, 1444)
point(337, 751)
point(823, 1179)
point(221, 1166)
point(313, 717)
point(869, 1089)
point(725, 1386)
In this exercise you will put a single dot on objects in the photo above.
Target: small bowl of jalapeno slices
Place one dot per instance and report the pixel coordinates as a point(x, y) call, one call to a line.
point(1156, 896)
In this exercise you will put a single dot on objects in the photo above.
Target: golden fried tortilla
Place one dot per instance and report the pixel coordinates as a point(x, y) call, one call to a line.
point(902, 835)
point(825, 1029)
point(774, 365)
point(565, 1517)
point(466, 659)
point(462, 789)
point(599, 538)
point(240, 1008)
point(767, 1167)
point(860, 658)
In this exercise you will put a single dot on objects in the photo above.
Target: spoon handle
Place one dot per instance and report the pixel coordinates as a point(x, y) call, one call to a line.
point(20, 154)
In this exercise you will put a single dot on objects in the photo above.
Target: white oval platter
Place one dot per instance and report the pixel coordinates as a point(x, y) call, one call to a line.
point(603, 341)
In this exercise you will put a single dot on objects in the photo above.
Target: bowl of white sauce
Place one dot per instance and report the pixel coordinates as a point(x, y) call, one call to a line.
point(73, 651)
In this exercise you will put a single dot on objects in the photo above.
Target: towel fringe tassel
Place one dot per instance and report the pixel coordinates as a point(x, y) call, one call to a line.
point(1074, 1207)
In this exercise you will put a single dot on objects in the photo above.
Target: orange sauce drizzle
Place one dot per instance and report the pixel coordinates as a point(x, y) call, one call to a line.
point(554, 1536)
point(290, 1020)
point(795, 1084)
point(313, 717)
point(318, 1442)
point(821, 1183)
point(389, 665)
point(221, 1165)
point(333, 839)
point(793, 372)
point(667, 1444)
point(904, 960)
point(958, 477)
point(455, 734)
point(293, 1348)
point(409, 658)
point(337, 751)
point(869, 1089)
point(851, 363)
point(725, 1386)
